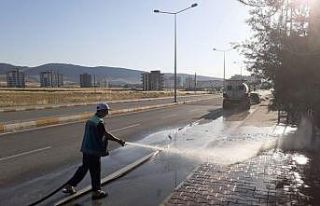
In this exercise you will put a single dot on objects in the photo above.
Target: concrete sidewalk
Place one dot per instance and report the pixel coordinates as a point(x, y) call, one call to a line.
point(274, 177)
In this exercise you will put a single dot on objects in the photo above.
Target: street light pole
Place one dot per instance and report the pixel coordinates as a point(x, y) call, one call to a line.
point(224, 69)
point(175, 43)
point(175, 57)
point(224, 63)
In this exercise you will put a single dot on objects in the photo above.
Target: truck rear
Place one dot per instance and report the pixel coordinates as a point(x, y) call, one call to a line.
point(236, 95)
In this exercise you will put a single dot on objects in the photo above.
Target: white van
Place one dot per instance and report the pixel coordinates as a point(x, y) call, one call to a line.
point(236, 94)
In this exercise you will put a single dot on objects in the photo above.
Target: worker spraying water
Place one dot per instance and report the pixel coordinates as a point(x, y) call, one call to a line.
point(94, 146)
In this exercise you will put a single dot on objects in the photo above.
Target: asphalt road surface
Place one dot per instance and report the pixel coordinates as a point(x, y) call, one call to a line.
point(35, 114)
point(31, 154)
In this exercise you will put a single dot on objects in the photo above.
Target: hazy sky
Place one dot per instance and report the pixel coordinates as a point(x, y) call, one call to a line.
point(123, 33)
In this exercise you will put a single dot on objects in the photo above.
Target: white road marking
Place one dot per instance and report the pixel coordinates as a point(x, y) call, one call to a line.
point(169, 116)
point(116, 130)
point(38, 128)
point(24, 153)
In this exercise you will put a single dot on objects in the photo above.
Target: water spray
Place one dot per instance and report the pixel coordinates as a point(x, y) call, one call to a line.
point(146, 146)
point(149, 146)
point(191, 153)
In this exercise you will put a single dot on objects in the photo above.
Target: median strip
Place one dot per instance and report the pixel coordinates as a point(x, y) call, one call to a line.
point(14, 127)
point(28, 108)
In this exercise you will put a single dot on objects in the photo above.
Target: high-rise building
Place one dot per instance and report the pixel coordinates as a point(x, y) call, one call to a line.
point(209, 84)
point(189, 83)
point(152, 80)
point(15, 78)
point(85, 80)
point(156, 80)
point(169, 82)
point(51, 79)
point(145, 81)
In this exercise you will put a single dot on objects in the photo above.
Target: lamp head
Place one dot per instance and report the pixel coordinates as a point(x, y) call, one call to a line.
point(156, 11)
point(194, 5)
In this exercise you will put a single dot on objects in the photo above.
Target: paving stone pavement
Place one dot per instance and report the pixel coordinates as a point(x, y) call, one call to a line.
point(271, 178)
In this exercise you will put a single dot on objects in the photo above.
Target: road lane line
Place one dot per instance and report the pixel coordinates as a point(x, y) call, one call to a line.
point(24, 153)
point(168, 116)
point(131, 126)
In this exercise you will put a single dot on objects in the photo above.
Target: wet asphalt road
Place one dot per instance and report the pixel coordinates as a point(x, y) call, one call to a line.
point(188, 134)
point(26, 156)
point(188, 146)
point(194, 138)
point(54, 112)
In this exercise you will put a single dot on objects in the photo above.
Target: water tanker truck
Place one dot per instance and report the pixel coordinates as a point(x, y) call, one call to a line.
point(236, 94)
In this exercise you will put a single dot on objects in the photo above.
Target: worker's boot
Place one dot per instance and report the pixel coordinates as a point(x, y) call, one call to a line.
point(68, 189)
point(99, 194)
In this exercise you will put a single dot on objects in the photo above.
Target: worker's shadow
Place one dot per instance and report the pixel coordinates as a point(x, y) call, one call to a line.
point(235, 114)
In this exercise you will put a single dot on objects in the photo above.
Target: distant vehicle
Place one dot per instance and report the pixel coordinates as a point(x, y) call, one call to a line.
point(236, 94)
point(254, 98)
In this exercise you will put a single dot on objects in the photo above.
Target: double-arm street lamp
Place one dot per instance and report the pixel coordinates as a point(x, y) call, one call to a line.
point(175, 43)
point(224, 63)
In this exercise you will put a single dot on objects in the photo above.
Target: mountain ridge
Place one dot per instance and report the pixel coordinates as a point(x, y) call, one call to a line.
point(71, 72)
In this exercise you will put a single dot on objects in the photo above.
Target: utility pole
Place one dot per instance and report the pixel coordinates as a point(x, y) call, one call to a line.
point(195, 83)
point(94, 83)
point(224, 63)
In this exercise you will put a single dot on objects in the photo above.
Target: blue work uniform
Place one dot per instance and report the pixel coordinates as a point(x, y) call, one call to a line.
point(94, 145)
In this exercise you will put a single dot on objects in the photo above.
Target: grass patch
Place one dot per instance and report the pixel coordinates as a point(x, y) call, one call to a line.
point(28, 97)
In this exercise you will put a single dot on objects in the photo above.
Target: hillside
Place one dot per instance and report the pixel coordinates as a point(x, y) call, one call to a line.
point(71, 73)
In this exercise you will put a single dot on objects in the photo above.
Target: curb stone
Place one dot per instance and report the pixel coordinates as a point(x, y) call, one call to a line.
point(1, 128)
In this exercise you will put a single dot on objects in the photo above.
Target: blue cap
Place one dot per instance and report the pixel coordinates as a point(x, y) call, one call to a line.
point(102, 106)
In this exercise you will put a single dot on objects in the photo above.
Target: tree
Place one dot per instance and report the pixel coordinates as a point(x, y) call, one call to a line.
point(281, 50)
